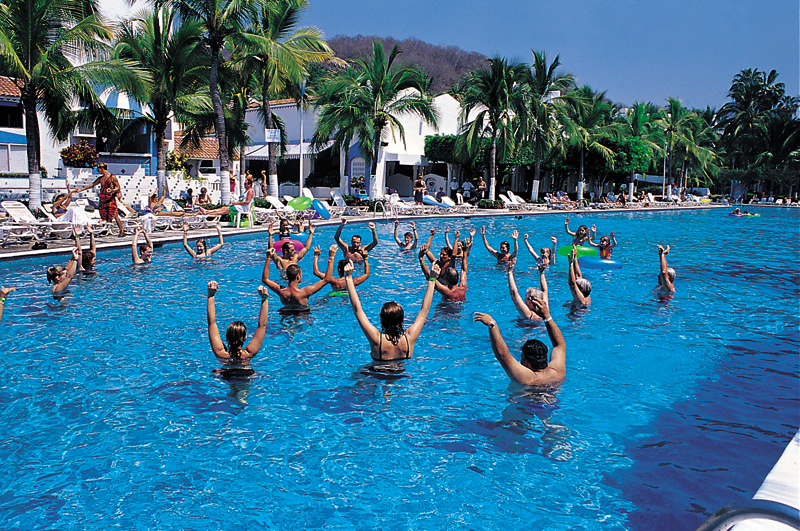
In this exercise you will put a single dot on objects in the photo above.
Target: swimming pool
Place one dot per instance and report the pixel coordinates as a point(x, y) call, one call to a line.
point(113, 417)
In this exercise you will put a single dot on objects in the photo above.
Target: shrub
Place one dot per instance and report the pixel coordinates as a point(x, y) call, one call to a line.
point(175, 161)
point(487, 204)
point(82, 155)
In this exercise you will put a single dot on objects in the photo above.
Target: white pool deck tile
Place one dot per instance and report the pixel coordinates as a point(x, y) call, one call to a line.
point(782, 485)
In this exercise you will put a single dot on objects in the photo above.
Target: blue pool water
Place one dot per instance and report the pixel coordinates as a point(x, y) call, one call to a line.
point(114, 418)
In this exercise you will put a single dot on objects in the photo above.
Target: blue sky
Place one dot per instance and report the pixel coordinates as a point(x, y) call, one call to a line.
point(637, 50)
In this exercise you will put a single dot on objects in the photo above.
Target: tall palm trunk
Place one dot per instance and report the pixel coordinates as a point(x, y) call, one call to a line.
point(580, 178)
point(32, 133)
point(161, 162)
point(492, 168)
point(273, 159)
point(537, 170)
point(375, 181)
point(219, 121)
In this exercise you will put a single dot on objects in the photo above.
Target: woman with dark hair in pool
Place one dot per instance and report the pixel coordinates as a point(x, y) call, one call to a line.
point(579, 236)
point(236, 334)
point(503, 254)
point(202, 247)
point(546, 256)
point(60, 277)
point(392, 342)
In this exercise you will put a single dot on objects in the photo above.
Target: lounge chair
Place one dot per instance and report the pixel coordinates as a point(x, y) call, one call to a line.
point(463, 206)
point(521, 202)
point(508, 203)
point(347, 210)
point(22, 217)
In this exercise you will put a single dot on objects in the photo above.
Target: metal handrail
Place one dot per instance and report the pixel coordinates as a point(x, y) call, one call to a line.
point(737, 512)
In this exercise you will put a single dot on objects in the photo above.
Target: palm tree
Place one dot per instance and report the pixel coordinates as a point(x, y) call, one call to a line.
point(540, 128)
point(587, 122)
point(642, 121)
point(279, 55)
point(494, 93)
point(39, 42)
point(173, 57)
point(219, 19)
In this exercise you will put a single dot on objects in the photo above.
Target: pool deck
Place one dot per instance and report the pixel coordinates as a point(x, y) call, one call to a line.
point(59, 247)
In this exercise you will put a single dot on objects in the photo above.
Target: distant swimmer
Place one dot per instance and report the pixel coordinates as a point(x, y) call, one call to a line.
point(546, 255)
point(141, 254)
point(409, 238)
point(236, 334)
point(580, 235)
point(88, 258)
point(605, 246)
point(525, 306)
point(3, 296)
point(286, 229)
point(503, 254)
point(354, 251)
point(579, 286)
point(338, 285)
point(448, 284)
point(458, 250)
point(392, 341)
point(60, 277)
point(293, 297)
point(533, 367)
point(289, 255)
point(666, 275)
point(202, 247)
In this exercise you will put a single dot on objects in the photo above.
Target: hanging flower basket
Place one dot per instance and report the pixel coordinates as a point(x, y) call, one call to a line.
point(82, 155)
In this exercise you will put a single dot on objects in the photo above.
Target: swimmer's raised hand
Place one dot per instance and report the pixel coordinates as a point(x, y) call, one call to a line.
point(540, 308)
point(433, 231)
point(525, 238)
point(553, 239)
point(348, 269)
point(332, 249)
point(435, 270)
point(471, 233)
point(311, 228)
point(212, 288)
point(412, 225)
point(422, 250)
point(397, 222)
point(264, 292)
point(515, 234)
point(483, 230)
point(5, 291)
point(344, 221)
point(371, 225)
point(317, 250)
point(484, 318)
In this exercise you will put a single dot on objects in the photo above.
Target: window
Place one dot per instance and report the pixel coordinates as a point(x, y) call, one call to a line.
point(207, 166)
point(85, 130)
point(357, 168)
point(11, 116)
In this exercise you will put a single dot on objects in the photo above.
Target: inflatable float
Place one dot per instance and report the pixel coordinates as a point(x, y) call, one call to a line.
point(583, 250)
point(591, 262)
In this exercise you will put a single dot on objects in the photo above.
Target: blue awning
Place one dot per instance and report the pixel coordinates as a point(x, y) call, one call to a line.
point(13, 138)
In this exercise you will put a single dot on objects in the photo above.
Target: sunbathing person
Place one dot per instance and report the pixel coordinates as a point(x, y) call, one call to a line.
point(605, 246)
point(3, 295)
point(391, 342)
point(579, 236)
point(579, 286)
point(202, 247)
point(666, 275)
point(88, 258)
point(236, 334)
point(237, 206)
point(60, 277)
point(155, 206)
point(453, 288)
point(525, 306)
point(290, 256)
point(409, 239)
point(354, 251)
point(203, 199)
point(293, 297)
point(141, 254)
point(502, 255)
point(338, 285)
point(546, 255)
point(533, 367)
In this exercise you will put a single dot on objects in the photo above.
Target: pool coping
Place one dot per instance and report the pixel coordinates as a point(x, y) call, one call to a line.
point(59, 247)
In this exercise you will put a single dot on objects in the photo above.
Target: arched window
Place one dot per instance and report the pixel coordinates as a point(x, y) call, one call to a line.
point(357, 168)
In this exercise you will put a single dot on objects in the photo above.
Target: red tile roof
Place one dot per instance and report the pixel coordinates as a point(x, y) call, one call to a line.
point(207, 150)
point(9, 88)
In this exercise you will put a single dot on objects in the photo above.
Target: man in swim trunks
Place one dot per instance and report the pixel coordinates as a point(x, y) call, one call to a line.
point(293, 297)
point(109, 191)
point(452, 289)
point(666, 275)
point(338, 285)
point(533, 367)
point(502, 255)
point(409, 239)
point(354, 251)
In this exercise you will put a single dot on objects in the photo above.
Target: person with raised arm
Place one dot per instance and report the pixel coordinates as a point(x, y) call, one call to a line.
point(579, 286)
point(546, 256)
point(202, 247)
point(60, 277)
point(110, 189)
point(579, 236)
point(409, 239)
point(533, 367)
point(391, 342)
point(525, 306)
point(293, 297)
point(605, 246)
point(666, 275)
point(88, 258)
point(3, 296)
point(458, 250)
point(285, 229)
point(236, 334)
point(453, 288)
point(354, 251)
point(338, 285)
point(289, 255)
point(503, 254)
point(141, 254)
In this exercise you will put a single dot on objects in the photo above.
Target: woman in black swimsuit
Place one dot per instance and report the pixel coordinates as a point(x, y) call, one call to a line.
point(392, 342)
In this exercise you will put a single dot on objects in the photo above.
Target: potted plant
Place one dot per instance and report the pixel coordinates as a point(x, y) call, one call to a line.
point(79, 159)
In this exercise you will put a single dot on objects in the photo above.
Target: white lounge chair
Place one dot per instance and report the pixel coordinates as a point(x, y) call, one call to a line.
point(347, 210)
point(463, 206)
point(22, 217)
point(508, 203)
point(521, 202)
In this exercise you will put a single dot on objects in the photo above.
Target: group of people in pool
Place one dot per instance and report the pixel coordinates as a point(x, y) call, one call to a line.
point(392, 341)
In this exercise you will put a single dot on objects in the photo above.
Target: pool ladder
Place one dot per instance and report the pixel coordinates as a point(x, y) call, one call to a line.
point(737, 512)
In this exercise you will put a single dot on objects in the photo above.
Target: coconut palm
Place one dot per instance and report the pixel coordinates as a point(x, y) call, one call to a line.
point(278, 54)
point(493, 93)
point(587, 122)
point(40, 42)
point(174, 58)
point(219, 19)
